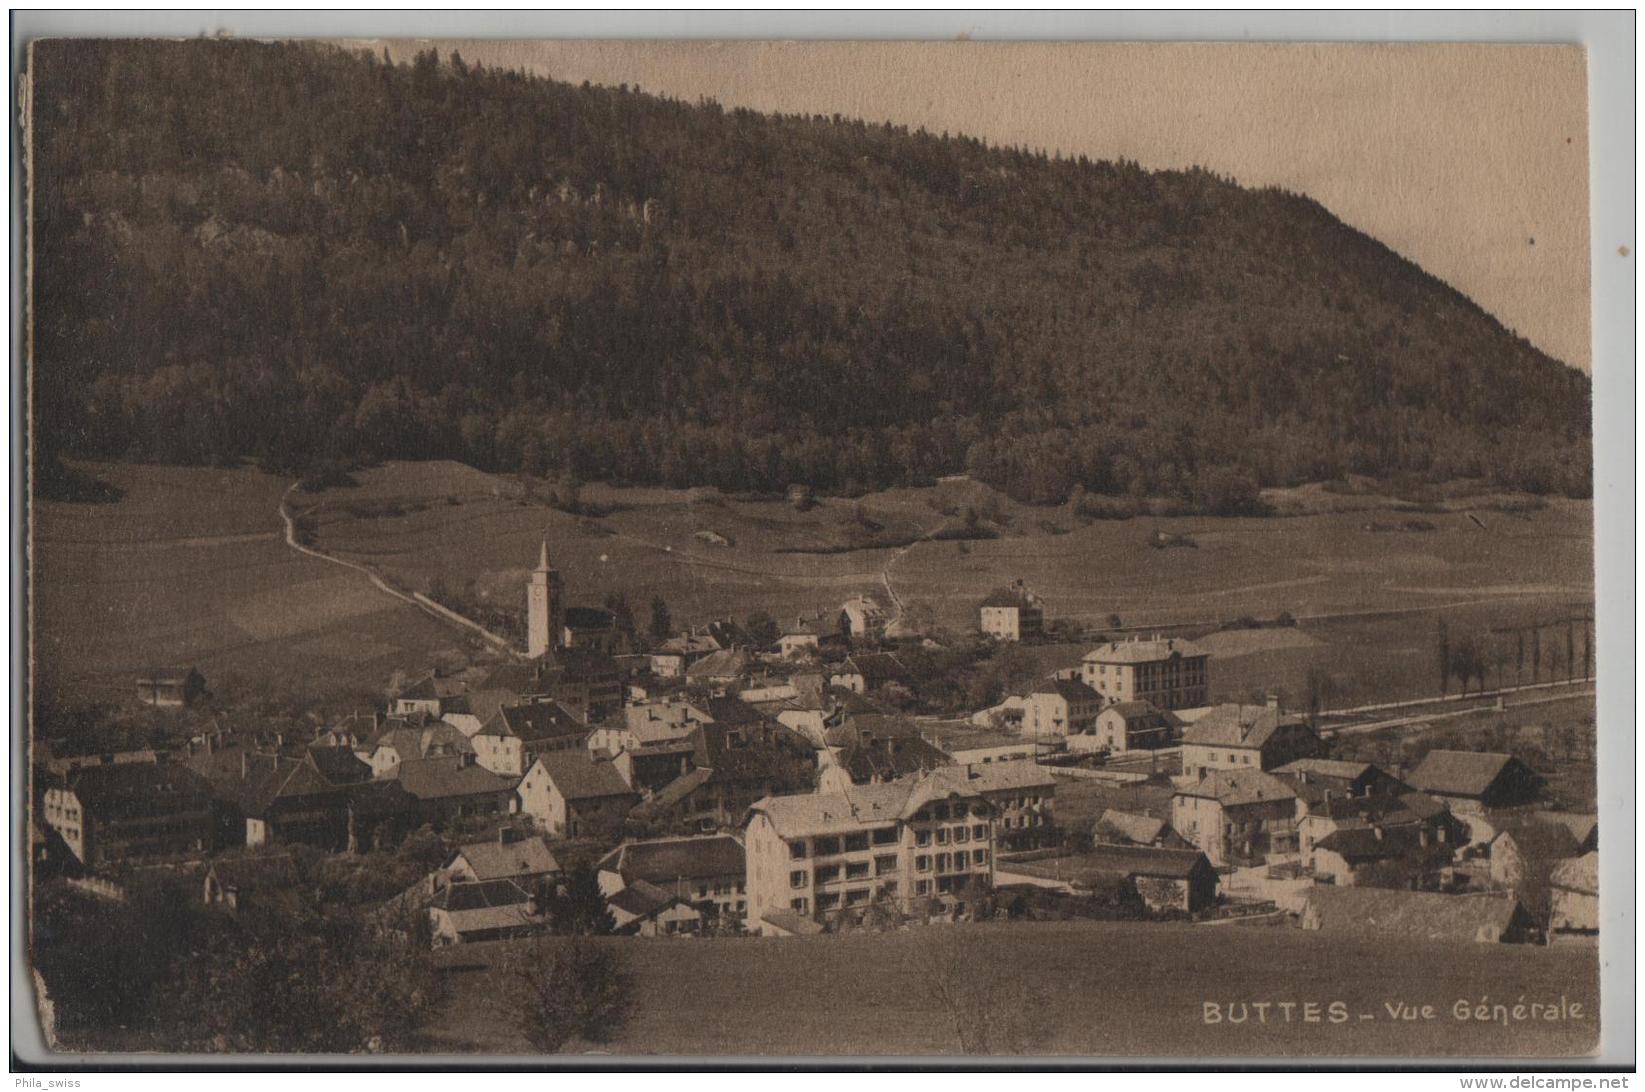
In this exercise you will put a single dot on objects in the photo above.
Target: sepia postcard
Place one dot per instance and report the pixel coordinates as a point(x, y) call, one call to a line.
point(796, 549)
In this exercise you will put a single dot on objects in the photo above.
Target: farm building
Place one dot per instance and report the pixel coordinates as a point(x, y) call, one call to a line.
point(512, 855)
point(465, 912)
point(109, 814)
point(1575, 889)
point(1164, 879)
point(1476, 780)
point(1344, 856)
point(868, 671)
point(170, 688)
point(863, 615)
point(447, 788)
point(646, 910)
point(1417, 915)
point(1114, 827)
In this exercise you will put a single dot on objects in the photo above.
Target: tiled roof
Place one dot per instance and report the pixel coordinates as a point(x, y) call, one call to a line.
point(577, 776)
point(727, 663)
point(1112, 860)
point(790, 922)
point(1237, 726)
point(473, 895)
point(1327, 767)
point(876, 668)
point(1071, 690)
point(1582, 826)
point(875, 805)
point(1009, 597)
point(674, 792)
point(339, 765)
point(495, 860)
point(1539, 841)
point(1579, 874)
point(1363, 843)
point(138, 788)
point(1142, 652)
point(1409, 915)
point(664, 860)
point(1233, 788)
point(889, 757)
point(446, 776)
point(1459, 773)
point(1142, 830)
point(535, 721)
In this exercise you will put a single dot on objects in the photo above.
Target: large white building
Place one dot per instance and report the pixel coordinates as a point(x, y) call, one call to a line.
point(1167, 672)
point(894, 844)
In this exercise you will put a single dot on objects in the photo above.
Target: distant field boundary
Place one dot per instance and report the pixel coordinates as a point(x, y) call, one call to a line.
point(414, 599)
point(1411, 703)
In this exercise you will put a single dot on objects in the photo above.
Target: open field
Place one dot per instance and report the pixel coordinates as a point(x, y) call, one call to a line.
point(189, 567)
point(1112, 989)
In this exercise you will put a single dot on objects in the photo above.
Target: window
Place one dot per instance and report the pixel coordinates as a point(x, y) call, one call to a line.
point(922, 887)
point(922, 837)
point(828, 873)
point(796, 851)
point(962, 861)
point(885, 836)
point(922, 863)
point(702, 891)
point(942, 836)
point(885, 863)
point(827, 902)
point(856, 870)
point(800, 904)
point(961, 834)
point(980, 832)
point(796, 879)
point(889, 889)
point(856, 896)
point(826, 846)
point(959, 811)
point(855, 842)
point(742, 887)
point(980, 857)
point(945, 861)
point(741, 906)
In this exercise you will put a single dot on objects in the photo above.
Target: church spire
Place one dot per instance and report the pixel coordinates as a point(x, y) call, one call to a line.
point(542, 559)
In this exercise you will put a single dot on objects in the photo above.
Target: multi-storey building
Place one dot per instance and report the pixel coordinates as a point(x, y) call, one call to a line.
point(1249, 737)
point(898, 844)
point(1168, 672)
point(1012, 614)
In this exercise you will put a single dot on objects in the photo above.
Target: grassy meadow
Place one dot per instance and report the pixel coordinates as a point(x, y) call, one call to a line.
point(1099, 988)
point(1367, 600)
point(190, 566)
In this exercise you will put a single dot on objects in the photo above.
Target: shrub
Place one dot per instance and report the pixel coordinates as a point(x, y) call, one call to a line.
point(561, 990)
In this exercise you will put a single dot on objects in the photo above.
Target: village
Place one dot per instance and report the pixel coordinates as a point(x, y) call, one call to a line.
point(714, 784)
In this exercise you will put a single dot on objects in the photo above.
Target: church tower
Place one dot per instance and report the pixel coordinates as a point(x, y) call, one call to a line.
point(544, 607)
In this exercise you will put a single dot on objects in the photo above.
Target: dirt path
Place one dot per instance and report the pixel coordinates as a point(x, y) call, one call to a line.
point(433, 610)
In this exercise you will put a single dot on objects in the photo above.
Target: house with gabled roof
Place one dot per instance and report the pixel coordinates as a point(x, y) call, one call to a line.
point(1060, 707)
point(1474, 781)
point(448, 788)
point(710, 872)
point(516, 734)
point(1236, 816)
point(1166, 672)
point(512, 855)
point(864, 672)
point(1163, 879)
point(644, 909)
point(401, 739)
point(1246, 737)
point(465, 912)
point(1115, 827)
point(1344, 856)
point(572, 794)
point(129, 811)
point(1011, 614)
point(1128, 726)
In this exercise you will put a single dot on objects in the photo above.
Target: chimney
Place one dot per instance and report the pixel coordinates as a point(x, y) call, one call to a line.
point(1422, 837)
point(1273, 702)
point(1327, 796)
point(1439, 832)
point(1376, 829)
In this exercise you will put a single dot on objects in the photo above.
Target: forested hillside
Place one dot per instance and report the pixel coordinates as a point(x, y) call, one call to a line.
point(297, 253)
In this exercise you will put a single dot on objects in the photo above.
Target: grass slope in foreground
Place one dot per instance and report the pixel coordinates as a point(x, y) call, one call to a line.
point(1114, 989)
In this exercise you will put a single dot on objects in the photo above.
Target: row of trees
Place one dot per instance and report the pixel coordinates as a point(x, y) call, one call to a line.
point(297, 253)
point(1538, 652)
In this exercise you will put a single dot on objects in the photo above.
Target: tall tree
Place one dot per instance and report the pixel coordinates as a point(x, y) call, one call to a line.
point(662, 621)
point(1445, 667)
